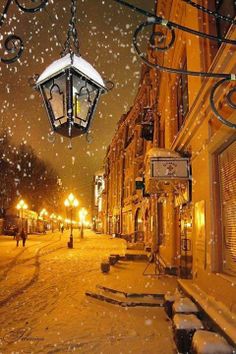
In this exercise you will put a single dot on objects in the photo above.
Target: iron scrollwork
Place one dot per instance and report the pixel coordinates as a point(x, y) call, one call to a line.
point(216, 14)
point(13, 44)
point(161, 41)
point(229, 101)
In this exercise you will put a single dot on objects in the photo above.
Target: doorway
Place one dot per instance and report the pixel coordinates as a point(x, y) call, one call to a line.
point(186, 253)
point(138, 227)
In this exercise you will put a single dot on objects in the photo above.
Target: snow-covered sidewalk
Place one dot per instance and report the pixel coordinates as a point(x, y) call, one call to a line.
point(44, 308)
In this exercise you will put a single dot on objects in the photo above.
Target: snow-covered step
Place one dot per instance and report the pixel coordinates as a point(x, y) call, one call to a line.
point(184, 305)
point(118, 298)
point(217, 311)
point(131, 256)
point(169, 300)
point(130, 294)
point(206, 342)
point(184, 326)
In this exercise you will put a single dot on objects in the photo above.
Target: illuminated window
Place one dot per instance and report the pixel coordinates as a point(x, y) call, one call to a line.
point(182, 98)
point(227, 176)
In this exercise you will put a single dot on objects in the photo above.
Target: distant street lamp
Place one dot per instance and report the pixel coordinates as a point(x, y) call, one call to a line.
point(21, 206)
point(71, 202)
point(70, 87)
point(82, 215)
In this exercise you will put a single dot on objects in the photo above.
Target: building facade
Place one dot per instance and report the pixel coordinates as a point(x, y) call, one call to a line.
point(128, 208)
point(199, 217)
point(189, 216)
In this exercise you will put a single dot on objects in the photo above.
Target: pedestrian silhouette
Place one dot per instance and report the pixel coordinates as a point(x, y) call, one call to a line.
point(62, 228)
point(23, 236)
point(18, 238)
point(15, 232)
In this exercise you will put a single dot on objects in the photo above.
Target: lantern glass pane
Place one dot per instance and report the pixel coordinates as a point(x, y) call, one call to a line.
point(84, 95)
point(54, 91)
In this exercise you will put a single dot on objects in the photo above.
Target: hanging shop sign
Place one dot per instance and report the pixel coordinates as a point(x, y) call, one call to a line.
point(169, 168)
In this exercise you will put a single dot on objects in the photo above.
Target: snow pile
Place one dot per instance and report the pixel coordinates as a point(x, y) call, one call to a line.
point(206, 342)
point(172, 297)
point(217, 310)
point(188, 322)
point(185, 305)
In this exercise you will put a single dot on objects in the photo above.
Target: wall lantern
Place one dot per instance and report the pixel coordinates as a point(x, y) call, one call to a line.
point(147, 130)
point(70, 88)
point(147, 124)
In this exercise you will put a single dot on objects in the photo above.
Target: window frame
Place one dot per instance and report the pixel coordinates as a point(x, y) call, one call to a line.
point(182, 102)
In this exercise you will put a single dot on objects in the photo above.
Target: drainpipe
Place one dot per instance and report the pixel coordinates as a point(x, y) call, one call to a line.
point(122, 191)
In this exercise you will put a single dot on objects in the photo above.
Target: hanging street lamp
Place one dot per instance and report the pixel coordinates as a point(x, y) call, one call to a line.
point(71, 202)
point(70, 87)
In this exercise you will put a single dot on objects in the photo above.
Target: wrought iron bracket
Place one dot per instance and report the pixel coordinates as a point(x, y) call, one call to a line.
point(161, 39)
point(13, 44)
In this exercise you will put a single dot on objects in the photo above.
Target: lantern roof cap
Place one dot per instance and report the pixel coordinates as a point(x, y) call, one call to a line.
point(77, 63)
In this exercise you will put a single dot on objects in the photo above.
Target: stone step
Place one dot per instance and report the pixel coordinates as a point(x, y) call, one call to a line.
point(123, 299)
point(218, 313)
point(131, 256)
point(131, 295)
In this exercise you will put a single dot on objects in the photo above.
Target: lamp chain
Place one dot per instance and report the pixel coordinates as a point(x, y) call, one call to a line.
point(72, 34)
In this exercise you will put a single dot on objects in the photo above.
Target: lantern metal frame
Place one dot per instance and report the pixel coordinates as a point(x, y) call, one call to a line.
point(71, 124)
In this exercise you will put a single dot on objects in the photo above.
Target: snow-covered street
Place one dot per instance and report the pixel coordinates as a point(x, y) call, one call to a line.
point(44, 308)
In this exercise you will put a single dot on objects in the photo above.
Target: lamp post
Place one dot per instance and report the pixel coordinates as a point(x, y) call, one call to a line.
point(21, 206)
point(59, 222)
point(43, 213)
point(53, 217)
point(82, 215)
point(71, 202)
